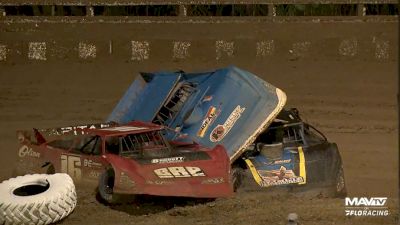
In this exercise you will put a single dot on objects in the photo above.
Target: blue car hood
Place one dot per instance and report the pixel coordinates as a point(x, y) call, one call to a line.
point(227, 106)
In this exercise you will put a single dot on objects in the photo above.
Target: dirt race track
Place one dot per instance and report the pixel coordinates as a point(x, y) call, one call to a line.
point(352, 102)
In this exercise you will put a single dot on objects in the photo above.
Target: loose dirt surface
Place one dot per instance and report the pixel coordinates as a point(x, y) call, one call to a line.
point(353, 103)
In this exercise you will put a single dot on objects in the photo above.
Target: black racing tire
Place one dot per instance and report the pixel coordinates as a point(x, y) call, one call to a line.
point(106, 190)
point(237, 177)
point(339, 186)
point(106, 187)
point(37, 199)
point(50, 169)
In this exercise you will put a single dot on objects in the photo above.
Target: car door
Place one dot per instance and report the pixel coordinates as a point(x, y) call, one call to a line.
point(83, 161)
point(180, 171)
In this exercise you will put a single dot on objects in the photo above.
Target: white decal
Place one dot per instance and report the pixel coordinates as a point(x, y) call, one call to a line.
point(292, 180)
point(215, 180)
point(375, 206)
point(126, 181)
point(94, 174)
point(282, 161)
point(171, 172)
point(219, 132)
point(71, 164)
point(365, 201)
point(26, 151)
point(91, 163)
point(124, 128)
point(75, 129)
point(168, 160)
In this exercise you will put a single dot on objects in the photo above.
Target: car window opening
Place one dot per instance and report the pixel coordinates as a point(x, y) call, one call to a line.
point(174, 104)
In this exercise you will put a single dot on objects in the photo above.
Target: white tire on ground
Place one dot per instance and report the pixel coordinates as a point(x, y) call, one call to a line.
point(36, 199)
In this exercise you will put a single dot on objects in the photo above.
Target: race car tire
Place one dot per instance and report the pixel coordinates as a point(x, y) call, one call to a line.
point(237, 177)
point(340, 190)
point(105, 190)
point(37, 199)
point(106, 185)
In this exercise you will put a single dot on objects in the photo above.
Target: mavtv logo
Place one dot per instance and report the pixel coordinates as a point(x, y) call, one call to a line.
point(363, 201)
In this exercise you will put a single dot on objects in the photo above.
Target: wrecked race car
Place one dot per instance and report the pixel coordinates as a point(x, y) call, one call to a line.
point(228, 106)
point(228, 109)
point(235, 108)
point(131, 159)
point(293, 153)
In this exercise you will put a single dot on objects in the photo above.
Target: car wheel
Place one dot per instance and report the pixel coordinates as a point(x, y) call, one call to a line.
point(51, 169)
point(237, 177)
point(340, 184)
point(106, 186)
point(37, 199)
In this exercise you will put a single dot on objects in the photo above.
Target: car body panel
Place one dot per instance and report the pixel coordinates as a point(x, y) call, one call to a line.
point(228, 106)
point(186, 169)
point(302, 155)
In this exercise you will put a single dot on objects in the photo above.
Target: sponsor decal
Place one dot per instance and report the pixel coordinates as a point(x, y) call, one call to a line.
point(159, 182)
point(278, 177)
point(124, 128)
point(27, 151)
point(215, 180)
point(207, 98)
point(91, 163)
point(125, 181)
point(219, 132)
point(364, 206)
point(94, 174)
point(169, 160)
point(75, 129)
point(210, 117)
point(282, 161)
point(177, 172)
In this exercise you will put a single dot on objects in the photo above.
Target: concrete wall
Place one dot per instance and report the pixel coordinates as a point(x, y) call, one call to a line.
point(191, 41)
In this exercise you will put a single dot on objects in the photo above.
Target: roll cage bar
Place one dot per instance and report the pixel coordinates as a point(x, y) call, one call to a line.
point(298, 136)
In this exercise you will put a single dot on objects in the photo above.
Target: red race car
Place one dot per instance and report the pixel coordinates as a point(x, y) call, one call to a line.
point(131, 159)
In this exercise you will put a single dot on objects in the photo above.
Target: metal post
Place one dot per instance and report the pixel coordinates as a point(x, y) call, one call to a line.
point(182, 10)
point(271, 10)
point(361, 10)
point(53, 10)
point(89, 10)
point(2, 11)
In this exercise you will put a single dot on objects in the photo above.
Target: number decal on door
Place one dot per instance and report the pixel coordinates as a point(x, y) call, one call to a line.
point(71, 165)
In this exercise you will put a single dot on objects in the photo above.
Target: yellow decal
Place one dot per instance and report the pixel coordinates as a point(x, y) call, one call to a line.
point(254, 172)
point(302, 165)
point(207, 121)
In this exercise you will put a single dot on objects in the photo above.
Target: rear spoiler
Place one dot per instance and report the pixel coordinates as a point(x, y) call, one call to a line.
point(43, 135)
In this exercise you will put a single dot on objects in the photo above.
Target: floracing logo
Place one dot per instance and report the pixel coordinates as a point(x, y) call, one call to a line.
point(219, 132)
point(208, 120)
point(26, 151)
point(375, 206)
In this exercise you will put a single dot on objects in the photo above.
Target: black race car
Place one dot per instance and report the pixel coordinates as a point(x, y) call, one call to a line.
point(293, 153)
